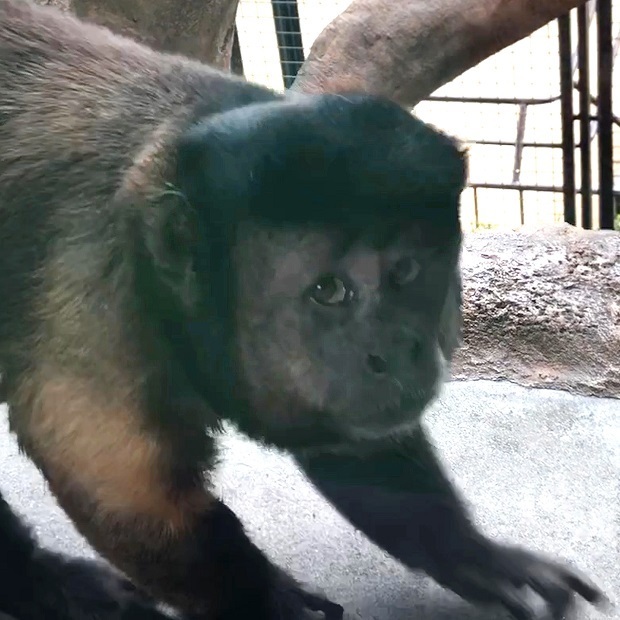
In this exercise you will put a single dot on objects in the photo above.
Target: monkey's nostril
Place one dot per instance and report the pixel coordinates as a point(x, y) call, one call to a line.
point(416, 350)
point(377, 364)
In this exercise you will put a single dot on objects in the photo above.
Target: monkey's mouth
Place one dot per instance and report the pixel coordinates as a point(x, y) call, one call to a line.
point(396, 418)
point(410, 407)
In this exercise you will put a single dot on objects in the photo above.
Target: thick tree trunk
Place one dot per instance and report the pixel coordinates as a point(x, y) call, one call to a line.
point(405, 50)
point(201, 29)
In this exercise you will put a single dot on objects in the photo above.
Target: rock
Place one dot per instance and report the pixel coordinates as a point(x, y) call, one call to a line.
point(542, 309)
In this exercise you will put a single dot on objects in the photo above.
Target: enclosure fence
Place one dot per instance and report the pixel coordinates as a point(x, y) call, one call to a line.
point(538, 117)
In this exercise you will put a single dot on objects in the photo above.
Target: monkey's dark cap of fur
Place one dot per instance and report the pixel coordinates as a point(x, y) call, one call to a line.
point(366, 155)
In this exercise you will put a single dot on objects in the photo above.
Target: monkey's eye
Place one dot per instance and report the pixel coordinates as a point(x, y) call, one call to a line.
point(404, 271)
point(330, 291)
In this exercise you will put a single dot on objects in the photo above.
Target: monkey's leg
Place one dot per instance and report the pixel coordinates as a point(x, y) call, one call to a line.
point(398, 495)
point(38, 584)
point(139, 498)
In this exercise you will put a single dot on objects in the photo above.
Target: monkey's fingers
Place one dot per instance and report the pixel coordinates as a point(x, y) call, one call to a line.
point(316, 602)
point(531, 587)
point(310, 599)
point(585, 587)
point(552, 579)
point(92, 589)
point(554, 582)
point(475, 585)
point(558, 585)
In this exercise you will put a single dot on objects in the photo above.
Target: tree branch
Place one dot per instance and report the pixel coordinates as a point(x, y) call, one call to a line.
point(406, 50)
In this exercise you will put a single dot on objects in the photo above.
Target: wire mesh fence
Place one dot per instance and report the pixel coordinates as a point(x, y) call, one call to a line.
point(537, 117)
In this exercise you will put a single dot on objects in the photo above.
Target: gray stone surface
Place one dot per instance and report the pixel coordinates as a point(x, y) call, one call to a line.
point(539, 467)
point(541, 308)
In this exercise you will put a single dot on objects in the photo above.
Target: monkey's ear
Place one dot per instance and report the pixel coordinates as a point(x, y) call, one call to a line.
point(166, 254)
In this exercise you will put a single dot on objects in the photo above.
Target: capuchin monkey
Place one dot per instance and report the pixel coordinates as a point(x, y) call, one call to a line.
point(181, 247)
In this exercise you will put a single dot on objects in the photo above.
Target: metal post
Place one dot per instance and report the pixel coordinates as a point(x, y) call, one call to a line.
point(518, 162)
point(583, 63)
point(605, 139)
point(568, 133)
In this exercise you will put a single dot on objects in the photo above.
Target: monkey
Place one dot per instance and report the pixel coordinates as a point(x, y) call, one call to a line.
point(181, 248)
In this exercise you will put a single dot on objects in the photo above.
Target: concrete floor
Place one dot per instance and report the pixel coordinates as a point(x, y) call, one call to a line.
point(540, 467)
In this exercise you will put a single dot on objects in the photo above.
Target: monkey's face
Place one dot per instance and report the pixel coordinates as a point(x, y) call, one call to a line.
point(336, 223)
point(341, 332)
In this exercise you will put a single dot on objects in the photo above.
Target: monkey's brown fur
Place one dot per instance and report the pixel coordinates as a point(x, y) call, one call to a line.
point(87, 123)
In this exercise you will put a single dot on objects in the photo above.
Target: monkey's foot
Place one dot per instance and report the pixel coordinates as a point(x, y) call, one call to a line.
point(317, 603)
point(54, 587)
point(291, 601)
point(288, 600)
point(530, 586)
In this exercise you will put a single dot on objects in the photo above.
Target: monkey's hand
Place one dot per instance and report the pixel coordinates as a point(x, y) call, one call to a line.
point(530, 586)
point(288, 600)
point(40, 584)
point(292, 601)
point(399, 496)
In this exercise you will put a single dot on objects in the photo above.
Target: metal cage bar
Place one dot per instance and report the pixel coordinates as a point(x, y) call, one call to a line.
point(583, 64)
point(288, 34)
point(604, 109)
point(568, 132)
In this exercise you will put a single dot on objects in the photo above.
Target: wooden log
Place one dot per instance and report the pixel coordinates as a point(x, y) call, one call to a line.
point(406, 50)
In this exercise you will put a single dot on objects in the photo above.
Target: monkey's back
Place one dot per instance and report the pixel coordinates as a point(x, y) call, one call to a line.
point(66, 137)
point(84, 115)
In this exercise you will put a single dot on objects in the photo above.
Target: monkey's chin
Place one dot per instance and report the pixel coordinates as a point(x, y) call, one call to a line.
point(377, 432)
point(394, 423)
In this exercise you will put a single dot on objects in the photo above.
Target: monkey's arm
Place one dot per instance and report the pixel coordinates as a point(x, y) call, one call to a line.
point(143, 504)
point(398, 495)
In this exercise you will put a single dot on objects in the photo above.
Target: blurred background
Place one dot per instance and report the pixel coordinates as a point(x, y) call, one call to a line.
point(538, 117)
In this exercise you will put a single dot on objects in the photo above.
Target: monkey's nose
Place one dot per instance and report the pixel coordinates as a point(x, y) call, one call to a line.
point(376, 364)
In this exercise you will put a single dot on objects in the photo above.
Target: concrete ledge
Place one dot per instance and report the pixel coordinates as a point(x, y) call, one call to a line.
point(542, 308)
